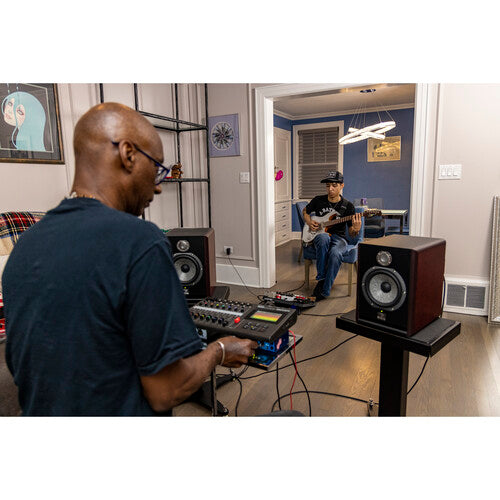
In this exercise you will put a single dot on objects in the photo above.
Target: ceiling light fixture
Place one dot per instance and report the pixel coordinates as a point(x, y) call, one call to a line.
point(375, 131)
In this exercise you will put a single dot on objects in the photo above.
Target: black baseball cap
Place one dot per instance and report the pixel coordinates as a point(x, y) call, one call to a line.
point(334, 177)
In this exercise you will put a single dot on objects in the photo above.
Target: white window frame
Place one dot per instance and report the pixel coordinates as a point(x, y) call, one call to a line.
point(309, 126)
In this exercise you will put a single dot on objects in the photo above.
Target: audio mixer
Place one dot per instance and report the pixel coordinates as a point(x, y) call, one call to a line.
point(265, 323)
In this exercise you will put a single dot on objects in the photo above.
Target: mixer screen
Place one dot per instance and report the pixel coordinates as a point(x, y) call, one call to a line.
point(266, 316)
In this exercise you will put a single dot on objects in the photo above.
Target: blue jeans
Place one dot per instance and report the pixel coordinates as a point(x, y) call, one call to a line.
point(330, 250)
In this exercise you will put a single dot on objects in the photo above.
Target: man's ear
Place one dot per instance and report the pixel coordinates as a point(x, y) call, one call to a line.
point(128, 154)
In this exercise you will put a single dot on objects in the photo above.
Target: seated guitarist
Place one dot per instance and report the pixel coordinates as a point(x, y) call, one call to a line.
point(330, 246)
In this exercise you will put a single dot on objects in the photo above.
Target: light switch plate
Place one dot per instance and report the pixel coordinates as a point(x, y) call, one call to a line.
point(449, 172)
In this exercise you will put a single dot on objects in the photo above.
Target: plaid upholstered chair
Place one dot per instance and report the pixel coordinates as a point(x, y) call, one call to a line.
point(12, 224)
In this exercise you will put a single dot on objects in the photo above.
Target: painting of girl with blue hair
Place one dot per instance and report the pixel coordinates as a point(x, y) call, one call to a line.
point(25, 112)
point(29, 123)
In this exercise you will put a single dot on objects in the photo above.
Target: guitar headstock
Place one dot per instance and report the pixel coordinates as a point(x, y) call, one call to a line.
point(372, 213)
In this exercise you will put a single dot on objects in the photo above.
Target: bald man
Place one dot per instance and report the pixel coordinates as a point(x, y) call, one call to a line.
point(97, 323)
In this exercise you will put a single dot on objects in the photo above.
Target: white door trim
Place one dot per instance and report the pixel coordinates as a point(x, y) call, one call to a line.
point(424, 158)
point(423, 163)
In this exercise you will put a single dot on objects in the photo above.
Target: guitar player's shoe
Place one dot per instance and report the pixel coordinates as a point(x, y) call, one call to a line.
point(319, 296)
point(318, 287)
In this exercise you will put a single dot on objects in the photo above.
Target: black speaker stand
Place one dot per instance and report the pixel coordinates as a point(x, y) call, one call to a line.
point(394, 356)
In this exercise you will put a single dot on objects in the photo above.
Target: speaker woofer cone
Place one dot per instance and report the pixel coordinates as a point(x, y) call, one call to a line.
point(383, 288)
point(189, 268)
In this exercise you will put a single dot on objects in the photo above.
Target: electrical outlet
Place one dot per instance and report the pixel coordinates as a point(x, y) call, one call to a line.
point(228, 250)
point(244, 177)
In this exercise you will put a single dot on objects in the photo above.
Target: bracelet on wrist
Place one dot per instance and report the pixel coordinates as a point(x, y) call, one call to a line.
point(221, 362)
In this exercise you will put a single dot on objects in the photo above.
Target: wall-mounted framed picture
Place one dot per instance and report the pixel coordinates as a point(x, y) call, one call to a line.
point(388, 149)
point(224, 135)
point(30, 126)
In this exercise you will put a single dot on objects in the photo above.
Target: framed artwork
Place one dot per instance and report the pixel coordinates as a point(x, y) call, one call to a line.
point(30, 127)
point(224, 135)
point(388, 149)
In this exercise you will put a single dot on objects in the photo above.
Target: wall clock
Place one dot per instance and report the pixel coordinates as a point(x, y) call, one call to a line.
point(223, 135)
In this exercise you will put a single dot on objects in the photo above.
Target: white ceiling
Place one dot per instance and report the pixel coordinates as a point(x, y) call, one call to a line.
point(347, 100)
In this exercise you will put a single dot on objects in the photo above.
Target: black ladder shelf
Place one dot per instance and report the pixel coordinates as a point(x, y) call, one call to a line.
point(178, 126)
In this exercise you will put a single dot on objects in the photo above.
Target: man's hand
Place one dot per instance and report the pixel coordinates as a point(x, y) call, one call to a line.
point(237, 351)
point(313, 225)
point(356, 222)
point(356, 225)
point(177, 381)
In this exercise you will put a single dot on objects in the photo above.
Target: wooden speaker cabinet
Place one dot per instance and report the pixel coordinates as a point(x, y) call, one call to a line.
point(193, 252)
point(400, 282)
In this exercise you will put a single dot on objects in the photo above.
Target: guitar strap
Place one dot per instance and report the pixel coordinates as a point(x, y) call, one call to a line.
point(343, 205)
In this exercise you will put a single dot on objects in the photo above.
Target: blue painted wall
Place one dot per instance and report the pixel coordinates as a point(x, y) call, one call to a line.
point(283, 123)
point(389, 180)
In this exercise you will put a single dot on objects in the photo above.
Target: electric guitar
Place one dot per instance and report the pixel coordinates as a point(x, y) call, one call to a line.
point(328, 221)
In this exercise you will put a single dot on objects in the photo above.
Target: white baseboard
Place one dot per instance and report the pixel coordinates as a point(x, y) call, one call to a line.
point(226, 274)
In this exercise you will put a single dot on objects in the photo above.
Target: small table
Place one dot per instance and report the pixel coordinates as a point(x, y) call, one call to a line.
point(395, 214)
point(394, 356)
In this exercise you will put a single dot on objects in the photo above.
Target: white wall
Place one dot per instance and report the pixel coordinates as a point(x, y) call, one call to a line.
point(233, 204)
point(467, 133)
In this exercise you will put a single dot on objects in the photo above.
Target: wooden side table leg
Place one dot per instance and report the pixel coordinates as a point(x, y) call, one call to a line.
point(393, 381)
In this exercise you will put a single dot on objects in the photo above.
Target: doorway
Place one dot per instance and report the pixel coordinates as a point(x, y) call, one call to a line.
point(422, 162)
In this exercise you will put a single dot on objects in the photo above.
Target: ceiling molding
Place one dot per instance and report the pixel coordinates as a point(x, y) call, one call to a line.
point(340, 113)
point(283, 114)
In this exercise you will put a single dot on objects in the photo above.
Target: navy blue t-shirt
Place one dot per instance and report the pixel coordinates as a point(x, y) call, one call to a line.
point(92, 301)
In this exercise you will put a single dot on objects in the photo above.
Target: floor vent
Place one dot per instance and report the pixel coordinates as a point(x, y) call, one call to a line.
point(455, 295)
point(466, 296)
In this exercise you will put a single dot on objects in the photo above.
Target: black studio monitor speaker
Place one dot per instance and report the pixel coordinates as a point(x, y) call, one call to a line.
point(400, 282)
point(193, 251)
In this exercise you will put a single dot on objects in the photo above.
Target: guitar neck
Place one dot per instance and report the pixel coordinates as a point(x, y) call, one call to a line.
point(339, 221)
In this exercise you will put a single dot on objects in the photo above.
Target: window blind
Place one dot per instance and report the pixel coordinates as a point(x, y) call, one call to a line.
point(318, 154)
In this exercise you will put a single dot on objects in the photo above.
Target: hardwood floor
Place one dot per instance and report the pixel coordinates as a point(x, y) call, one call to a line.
point(463, 379)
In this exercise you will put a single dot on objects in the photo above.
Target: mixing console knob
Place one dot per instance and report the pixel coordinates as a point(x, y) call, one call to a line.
point(214, 319)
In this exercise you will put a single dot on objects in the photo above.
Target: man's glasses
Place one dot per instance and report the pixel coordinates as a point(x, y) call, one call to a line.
point(162, 171)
